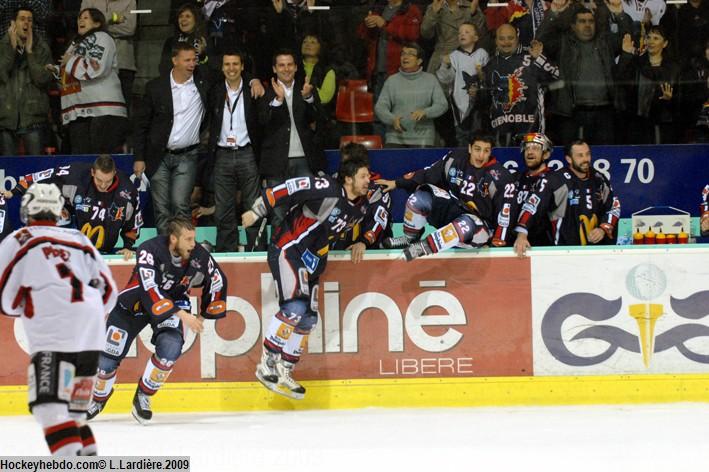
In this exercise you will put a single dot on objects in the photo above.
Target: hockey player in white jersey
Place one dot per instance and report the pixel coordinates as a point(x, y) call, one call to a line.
point(60, 287)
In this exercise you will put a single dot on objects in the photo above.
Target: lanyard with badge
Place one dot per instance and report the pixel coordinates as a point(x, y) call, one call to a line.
point(231, 134)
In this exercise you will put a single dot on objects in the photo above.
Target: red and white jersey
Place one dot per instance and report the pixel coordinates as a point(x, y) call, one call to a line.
point(57, 281)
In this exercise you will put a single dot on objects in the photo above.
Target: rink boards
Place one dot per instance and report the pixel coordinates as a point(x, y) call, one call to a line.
point(465, 328)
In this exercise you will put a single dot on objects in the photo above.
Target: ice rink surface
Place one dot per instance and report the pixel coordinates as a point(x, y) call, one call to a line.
point(645, 438)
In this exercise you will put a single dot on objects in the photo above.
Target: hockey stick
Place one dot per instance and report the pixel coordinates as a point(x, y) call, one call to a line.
point(261, 228)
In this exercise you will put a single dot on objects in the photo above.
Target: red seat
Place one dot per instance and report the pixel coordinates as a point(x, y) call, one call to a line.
point(354, 107)
point(356, 85)
point(370, 141)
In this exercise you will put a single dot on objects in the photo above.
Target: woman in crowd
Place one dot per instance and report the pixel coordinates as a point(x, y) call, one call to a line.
point(93, 108)
point(189, 28)
point(650, 83)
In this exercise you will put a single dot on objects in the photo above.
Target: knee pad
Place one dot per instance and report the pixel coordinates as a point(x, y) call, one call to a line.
point(108, 364)
point(421, 201)
point(293, 310)
point(48, 377)
point(168, 346)
point(471, 230)
point(307, 323)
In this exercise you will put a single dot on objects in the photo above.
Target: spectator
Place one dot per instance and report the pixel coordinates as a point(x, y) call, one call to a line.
point(583, 104)
point(460, 72)
point(644, 13)
point(524, 15)
point(442, 22)
point(317, 70)
point(288, 114)
point(100, 199)
point(694, 92)
point(291, 20)
point(409, 101)
point(512, 82)
point(385, 29)
point(166, 135)
point(93, 108)
point(24, 80)
point(651, 91)
point(577, 200)
point(234, 140)
point(693, 28)
point(122, 25)
point(41, 12)
point(189, 28)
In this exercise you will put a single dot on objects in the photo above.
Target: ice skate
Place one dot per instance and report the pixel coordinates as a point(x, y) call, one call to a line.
point(288, 386)
point(417, 249)
point(266, 372)
point(141, 407)
point(94, 409)
point(399, 242)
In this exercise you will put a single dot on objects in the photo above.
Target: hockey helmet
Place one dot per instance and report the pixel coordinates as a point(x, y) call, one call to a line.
point(538, 138)
point(41, 199)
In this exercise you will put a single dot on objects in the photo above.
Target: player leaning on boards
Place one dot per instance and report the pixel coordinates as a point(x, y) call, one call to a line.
point(467, 196)
point(319, 210)
point(101, 199)
point(157, 294)
point(58, 283)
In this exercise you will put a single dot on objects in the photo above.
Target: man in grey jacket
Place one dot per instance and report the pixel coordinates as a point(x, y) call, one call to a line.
point(24, 80)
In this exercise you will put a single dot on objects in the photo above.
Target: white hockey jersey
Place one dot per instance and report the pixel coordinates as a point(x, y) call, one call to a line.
point(60, 285)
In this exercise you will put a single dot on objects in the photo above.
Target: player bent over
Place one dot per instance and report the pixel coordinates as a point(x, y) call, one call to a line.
point(467, 196)
point(319, 210)
point(157, 294)
point(57, 282)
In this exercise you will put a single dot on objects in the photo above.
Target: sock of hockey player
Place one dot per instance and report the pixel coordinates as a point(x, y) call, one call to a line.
point(88, 442)
point(60, 431)
point(155, 375)
point(277, 335)
point(102, 392)
point(418, 206)
point(289, 357)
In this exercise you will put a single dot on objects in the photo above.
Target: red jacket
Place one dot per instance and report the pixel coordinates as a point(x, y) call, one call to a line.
point(404, 27)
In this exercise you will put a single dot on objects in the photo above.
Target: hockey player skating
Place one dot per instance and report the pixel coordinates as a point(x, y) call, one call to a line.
point(57, 282)
point(319, 209)
point(467, 196)
point(157, 294)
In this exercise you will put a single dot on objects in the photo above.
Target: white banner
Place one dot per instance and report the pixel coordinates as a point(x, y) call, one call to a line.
point(606, 312)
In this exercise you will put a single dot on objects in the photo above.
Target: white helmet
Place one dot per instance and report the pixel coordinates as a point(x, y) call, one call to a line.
point(41, 199)
point(537, 138)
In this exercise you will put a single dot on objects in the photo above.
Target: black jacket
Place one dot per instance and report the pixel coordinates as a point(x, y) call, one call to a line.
point(276, 126)
point(215, 112)
point(153, 120)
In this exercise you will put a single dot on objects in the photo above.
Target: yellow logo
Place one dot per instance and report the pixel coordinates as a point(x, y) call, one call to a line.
point(586, 225)
point(96, 234)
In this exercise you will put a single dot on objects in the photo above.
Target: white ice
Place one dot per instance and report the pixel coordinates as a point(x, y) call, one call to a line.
point(644, 438)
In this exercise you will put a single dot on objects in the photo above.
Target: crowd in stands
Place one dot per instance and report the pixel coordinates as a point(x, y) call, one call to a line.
point(425, 74)
point(567, 68)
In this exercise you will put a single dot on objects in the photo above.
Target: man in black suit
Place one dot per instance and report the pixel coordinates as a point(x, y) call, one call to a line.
point(166, 137)
point(233, 149)
point(288, 114)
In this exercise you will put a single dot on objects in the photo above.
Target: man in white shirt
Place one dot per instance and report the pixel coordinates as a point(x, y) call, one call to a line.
point(234, 140)
point(166, 137)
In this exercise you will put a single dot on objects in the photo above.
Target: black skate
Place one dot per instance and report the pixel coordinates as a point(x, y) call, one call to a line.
point(399, 242)
point(94, 409)
point(417, 249)
point(141, 407)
